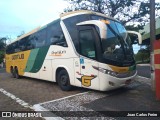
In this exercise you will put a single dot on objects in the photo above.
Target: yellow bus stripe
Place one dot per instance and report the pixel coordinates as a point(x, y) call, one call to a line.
point(119, 69)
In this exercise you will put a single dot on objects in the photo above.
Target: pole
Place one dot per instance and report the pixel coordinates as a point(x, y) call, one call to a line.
point(152, 39)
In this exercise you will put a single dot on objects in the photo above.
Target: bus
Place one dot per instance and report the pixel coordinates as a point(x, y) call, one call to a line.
point(81, 48)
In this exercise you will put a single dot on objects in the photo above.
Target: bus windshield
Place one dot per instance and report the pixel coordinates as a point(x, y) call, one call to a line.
point(117, 45)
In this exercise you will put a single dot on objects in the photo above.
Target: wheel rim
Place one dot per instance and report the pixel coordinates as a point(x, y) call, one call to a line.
point(64, 80)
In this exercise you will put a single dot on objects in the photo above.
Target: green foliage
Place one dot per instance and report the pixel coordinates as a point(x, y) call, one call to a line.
point(2, 43)
point(143, 56)
point(22, 33)
point(1, 56)
point(127, 11)
point(2, 48)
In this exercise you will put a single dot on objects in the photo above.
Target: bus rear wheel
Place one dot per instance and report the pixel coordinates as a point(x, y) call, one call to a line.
point(63, 80)
point(13, 73)
point(16, 73)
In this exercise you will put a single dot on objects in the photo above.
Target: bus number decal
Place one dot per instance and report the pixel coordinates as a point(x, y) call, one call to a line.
point(86, 80)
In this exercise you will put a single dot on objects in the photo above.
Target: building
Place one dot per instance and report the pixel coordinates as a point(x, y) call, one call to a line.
point(146, 32)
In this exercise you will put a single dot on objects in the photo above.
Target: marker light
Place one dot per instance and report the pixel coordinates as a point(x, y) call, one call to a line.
point(105, 21)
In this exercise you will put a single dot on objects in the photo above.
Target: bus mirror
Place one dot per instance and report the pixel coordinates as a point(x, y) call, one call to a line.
point(135, 37)
point(101, 25)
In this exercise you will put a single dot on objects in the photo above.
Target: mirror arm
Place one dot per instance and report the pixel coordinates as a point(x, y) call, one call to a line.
point(138, 34)
point(102, 26)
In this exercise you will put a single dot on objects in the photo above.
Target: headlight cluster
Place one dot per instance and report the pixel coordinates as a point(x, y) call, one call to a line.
point(105, 71)
point(109, 72)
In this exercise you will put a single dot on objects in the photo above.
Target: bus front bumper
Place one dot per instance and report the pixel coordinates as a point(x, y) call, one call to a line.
point(108, 82)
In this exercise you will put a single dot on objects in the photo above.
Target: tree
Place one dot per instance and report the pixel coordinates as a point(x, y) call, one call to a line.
point(2, 48)
point(2, 43)
point(143, 55)
point(22, 33)
point(127, 11)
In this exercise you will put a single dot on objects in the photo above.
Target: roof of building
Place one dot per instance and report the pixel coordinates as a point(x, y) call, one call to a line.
point(146, 31)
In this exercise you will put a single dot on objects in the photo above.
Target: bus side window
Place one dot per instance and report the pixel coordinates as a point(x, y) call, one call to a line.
point(40, 38)
point(22, 44)
point(16, 47)
point(87, 45)
point(32, 40)
point(9, 49)
point(55, 35)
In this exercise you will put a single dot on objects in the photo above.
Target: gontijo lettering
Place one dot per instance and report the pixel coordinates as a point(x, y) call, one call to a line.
point(18, 56)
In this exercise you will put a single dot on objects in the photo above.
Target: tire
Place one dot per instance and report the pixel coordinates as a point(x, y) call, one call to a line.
point(13, 73)
point(16, 73)
point(63, 80)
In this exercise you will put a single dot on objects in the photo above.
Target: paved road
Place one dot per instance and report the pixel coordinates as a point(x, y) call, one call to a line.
point(28, 90)
point(2, 70)
point(144, 71)
point(34, 91)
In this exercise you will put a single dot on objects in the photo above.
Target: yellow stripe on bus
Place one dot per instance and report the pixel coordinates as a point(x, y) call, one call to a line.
point(17, 60)
point(119, 69)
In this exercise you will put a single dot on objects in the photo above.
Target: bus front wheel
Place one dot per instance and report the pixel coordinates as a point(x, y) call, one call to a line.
point(63, 80)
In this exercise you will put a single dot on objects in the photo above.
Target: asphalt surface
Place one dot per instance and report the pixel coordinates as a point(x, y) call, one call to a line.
point(135, 97)
point(2, 70)
point(32, 91)
point(144, 70)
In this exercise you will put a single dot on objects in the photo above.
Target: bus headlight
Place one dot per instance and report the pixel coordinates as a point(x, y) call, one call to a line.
point(105, 71)
point(109, 72)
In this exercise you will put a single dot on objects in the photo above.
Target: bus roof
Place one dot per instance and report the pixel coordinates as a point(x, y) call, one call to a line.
point(33, 31)
point(63, 16)
point(24, 35)
point(79, 12)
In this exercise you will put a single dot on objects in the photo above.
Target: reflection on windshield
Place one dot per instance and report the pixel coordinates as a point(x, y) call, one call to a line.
point(112, 46)
point(117, 46)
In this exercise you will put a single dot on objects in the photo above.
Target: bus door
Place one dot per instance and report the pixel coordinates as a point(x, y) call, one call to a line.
point(88, 56)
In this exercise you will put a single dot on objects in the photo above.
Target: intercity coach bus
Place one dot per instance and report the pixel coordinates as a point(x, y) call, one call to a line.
point(82, 48)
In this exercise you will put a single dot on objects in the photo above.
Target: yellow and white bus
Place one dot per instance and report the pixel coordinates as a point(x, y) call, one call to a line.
point(82, 48)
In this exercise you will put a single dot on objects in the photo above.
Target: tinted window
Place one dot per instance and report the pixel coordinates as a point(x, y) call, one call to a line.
point(9, 49)
point(31, 43)
point(22, 44)
point(72, 27)
point(55, 34)
point(51, 35)
point(13, 48)
point(39, 38)
point(16, 47)
point(87, 45)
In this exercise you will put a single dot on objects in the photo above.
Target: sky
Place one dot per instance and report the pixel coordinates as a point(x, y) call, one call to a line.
point(24, 15)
